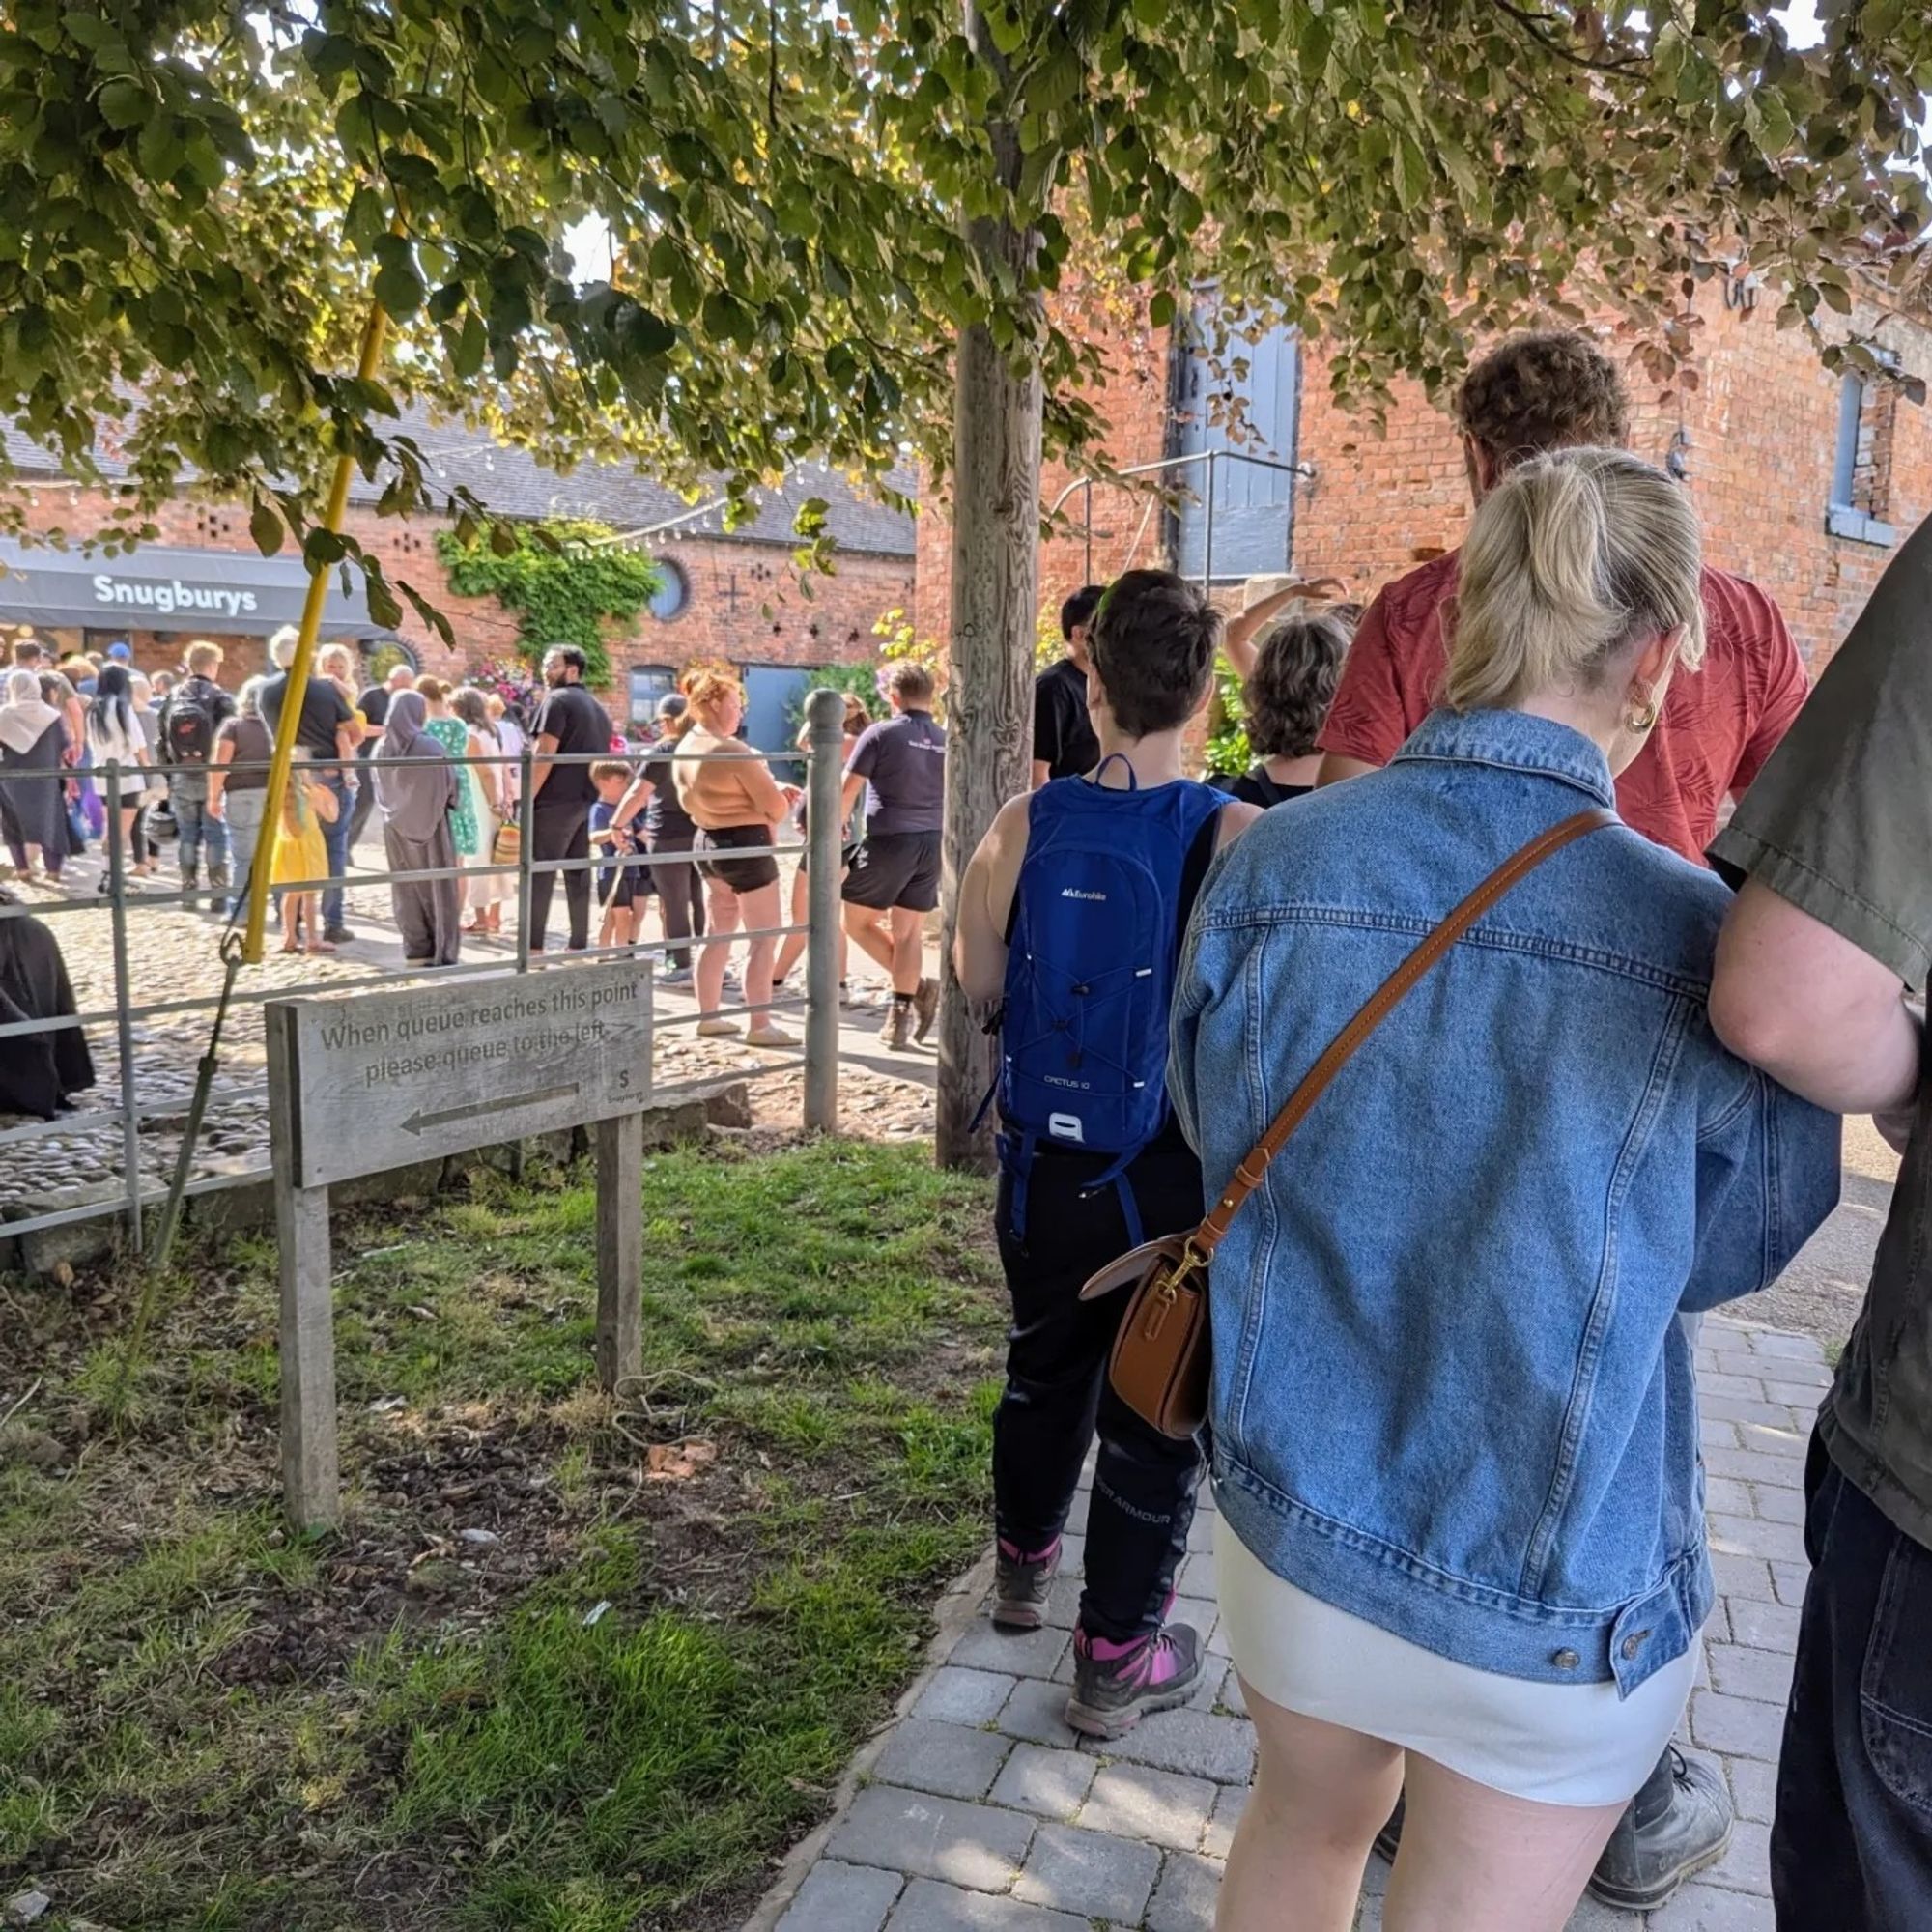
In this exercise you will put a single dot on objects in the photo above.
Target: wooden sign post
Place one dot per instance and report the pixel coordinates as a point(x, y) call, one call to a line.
point(383, 1080)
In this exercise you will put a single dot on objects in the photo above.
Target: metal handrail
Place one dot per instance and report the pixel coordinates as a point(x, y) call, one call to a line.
point(821, 760)
point(1210, 457)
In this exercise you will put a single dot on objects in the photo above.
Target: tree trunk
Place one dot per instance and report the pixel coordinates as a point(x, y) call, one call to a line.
point(996, 445)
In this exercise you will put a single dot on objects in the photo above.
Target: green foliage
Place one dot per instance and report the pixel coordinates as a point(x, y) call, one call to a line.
point(1227, 749)
point(559, 578)
point(825, 1316)
point(855, 680)
point(199, 201)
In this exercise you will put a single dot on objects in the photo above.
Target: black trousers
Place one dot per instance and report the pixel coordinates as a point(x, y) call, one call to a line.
point(680, 896)
point(560, 831)
point(1057, 1394)
point(365, 795)
point(1851, 1848)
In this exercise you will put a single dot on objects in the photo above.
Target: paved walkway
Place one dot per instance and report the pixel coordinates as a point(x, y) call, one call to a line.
point(979, 1812)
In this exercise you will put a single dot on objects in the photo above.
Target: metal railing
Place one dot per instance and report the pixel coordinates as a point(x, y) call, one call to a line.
point(121, 899)
point(1214, 459)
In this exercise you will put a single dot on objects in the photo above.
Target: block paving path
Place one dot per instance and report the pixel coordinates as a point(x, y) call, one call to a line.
point(979, 1812)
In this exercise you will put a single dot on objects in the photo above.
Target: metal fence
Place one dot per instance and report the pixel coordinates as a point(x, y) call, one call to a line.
point(119, 899)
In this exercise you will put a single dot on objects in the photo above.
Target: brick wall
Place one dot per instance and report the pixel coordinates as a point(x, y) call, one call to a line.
point(1126, 523)
point(1763, 427)
point(745, 602)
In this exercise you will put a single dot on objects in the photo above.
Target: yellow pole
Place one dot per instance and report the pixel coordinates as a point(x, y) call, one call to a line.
point(298, 686)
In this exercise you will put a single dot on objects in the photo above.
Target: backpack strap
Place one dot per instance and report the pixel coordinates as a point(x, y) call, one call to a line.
point(1194, 868)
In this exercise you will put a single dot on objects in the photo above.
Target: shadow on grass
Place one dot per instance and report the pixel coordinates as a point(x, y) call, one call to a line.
point(572, 1664)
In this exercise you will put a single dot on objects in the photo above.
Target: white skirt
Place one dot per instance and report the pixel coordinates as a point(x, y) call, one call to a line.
point(1556, 1744)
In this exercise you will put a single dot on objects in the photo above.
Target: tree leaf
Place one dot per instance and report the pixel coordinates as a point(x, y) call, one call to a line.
point(124, 103)
point(265, 526)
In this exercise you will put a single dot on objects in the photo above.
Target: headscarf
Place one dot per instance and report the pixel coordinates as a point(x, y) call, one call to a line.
point(24, 716)
point(414, 797)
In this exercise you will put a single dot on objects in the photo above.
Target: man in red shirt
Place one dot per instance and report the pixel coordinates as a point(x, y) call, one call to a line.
point(1556, 391)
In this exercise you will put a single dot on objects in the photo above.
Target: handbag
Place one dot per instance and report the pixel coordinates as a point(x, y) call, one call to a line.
point(507, 848)
point(1160, 1361)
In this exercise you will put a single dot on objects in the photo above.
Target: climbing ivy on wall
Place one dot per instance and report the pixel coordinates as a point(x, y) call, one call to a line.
point(559, 580)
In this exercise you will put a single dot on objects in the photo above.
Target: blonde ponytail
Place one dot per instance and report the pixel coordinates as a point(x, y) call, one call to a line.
point(1571, 556)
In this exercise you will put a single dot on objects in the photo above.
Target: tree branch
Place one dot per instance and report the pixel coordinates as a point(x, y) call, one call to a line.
point(1533, 24)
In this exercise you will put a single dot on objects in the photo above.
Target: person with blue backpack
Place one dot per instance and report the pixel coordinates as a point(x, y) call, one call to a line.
point(1071, 913)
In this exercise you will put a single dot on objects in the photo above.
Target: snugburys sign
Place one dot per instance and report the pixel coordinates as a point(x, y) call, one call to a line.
point(171, 598)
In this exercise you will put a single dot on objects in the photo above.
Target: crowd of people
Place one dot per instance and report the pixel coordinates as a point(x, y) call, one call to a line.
point(1452, 1421)
point(687, 819)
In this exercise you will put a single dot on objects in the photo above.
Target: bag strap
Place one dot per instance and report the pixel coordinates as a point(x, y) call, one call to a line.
point(1388, 995)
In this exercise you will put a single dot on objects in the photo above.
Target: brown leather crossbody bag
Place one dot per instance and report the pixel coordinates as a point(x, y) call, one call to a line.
point(1160, 1362)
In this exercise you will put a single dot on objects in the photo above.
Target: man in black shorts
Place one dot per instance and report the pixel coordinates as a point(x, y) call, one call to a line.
point(894, 883)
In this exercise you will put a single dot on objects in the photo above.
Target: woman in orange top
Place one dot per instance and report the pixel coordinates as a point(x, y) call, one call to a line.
point(728, 792)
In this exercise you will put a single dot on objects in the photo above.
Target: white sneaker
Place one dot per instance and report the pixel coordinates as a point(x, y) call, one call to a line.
point(769, 1035)
point(715, 1028)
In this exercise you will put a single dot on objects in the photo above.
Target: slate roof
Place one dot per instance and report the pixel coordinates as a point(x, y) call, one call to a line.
point(514, 484)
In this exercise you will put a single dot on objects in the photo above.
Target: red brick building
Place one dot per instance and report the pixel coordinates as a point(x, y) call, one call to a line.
point(1805, 480)
point(736, 596)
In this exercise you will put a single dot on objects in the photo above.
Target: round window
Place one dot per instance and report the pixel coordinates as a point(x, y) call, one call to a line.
point(672, 594)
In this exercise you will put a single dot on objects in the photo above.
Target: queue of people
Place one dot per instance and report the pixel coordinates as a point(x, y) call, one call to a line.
point(1451, 1420)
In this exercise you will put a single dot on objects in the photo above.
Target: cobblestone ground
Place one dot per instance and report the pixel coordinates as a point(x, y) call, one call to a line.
point(980, 1810)
point(172, 956)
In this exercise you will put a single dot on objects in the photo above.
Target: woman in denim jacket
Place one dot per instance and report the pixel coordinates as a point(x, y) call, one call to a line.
point(1455, 1420)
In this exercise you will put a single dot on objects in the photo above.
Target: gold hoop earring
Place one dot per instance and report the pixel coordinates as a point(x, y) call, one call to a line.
point(1641, 718)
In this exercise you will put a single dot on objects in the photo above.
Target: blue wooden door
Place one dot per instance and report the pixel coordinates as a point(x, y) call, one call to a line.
point(772, 696)
point(1245, 405)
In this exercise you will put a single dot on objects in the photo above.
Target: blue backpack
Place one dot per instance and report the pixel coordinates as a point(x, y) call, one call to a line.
point(1095, 935)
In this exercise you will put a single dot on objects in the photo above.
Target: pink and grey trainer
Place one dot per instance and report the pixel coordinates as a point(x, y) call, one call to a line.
point(1115, 1685)
point(1020, 1584)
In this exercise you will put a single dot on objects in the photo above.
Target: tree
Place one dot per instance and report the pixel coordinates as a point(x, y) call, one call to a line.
point(809, 210)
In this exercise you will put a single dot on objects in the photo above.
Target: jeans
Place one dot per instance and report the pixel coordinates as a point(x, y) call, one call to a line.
point(1851, 1849)
point(679, 901)
point(196, 830)
point(1057, 1392)
point(245, 827)
point(336, 842)
point(560, 831)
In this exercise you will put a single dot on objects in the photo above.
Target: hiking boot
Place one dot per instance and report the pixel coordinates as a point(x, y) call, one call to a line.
point(1679, 1823)
point(338, 935)
point(191, 878)
point(896, 1033)
point(926, 1008)
point(1115, 1685)
point(1020, 1584)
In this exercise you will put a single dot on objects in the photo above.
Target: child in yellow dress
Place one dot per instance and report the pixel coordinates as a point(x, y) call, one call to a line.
point(301, 854)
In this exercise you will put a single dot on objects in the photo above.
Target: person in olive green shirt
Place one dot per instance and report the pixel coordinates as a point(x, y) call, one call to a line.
point(1831, 931)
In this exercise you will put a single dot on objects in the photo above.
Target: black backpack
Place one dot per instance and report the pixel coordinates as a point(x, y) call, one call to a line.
point(190, 721)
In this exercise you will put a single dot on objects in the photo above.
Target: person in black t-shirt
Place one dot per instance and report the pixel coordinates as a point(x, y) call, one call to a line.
point(571, 723)
point(1297, 665)
point(668, 832)
point(1063, 744)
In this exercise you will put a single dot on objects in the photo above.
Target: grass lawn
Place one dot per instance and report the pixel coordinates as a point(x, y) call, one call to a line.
point(572, 1664)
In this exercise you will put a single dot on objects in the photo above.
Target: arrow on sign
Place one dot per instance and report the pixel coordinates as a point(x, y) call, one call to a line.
point(420, 1123)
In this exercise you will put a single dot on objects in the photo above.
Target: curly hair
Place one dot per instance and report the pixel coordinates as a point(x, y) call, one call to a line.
point(1298, 665)
point(707, 689)
point(1551, 390)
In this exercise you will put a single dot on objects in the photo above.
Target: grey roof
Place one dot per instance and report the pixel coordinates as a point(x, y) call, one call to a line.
point(514, 484)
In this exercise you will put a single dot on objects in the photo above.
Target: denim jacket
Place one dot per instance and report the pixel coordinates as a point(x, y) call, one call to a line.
point(1451, 1394)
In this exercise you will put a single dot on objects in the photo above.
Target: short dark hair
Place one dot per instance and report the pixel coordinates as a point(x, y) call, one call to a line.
point(911, 683)
point(571, 655)
point(1154, 642)
point(1555, 389)
point(1079, 609)
point(1298, 665)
